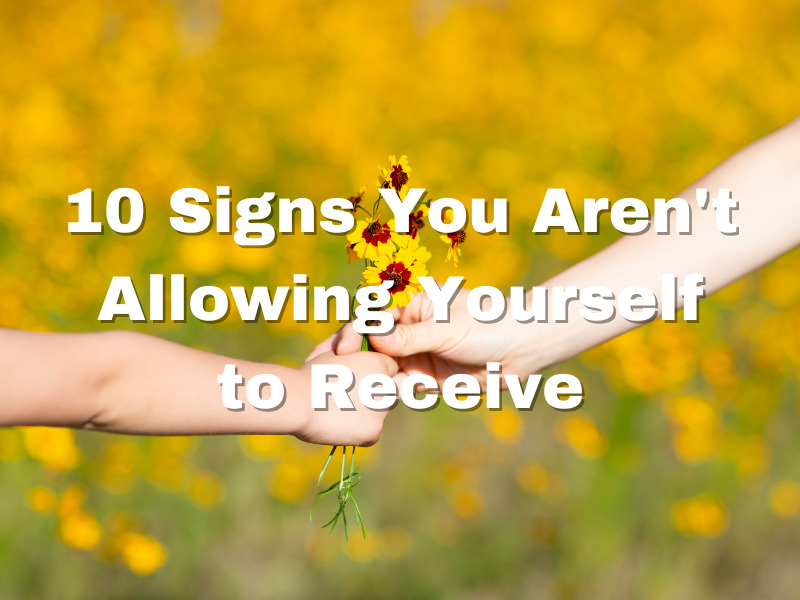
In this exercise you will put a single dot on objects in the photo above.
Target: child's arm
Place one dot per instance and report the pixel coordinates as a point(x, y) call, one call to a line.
point(764, 178)
point(131, 383)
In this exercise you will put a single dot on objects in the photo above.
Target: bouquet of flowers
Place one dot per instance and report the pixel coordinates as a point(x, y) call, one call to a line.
point(388, 256)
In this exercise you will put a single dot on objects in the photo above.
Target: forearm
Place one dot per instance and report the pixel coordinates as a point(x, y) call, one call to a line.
point(764, 178)
point(161, 388)
point(130, 383)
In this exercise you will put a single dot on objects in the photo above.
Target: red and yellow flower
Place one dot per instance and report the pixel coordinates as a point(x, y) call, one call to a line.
point(370, 240)
point(396, 176)
point(416, 220)
point(454, 241)
point(355, 200)
point(403, 269)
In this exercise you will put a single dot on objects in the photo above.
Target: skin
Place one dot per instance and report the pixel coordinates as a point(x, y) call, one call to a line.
point(130, 383)
point(764, 178)
point(125, 382)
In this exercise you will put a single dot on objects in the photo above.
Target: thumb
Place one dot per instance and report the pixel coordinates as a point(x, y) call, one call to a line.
point(349, 340)
point(406, 340)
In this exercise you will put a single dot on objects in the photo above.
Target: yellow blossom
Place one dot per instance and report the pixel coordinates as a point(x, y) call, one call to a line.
point(505, 425)
point(403, 269)
point(54, 447)
point(454, 241)
point(143, 555)
point(371, 240)
point(582, 435)
point(396, 176)
point(206, 489)
point(79, 530)
point(356, 199)
point(416, 221)
point(467, 504)
point(702, 515)
point(42, 499)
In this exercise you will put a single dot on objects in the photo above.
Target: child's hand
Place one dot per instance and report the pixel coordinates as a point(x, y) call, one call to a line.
point(335, 427)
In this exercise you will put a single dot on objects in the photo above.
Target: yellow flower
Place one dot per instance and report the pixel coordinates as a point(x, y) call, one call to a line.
point(467, 504)
point(351, 254)
point(702, 515)
point(76, 527)
point(370, 240)
point(207, 489)
point(403, 268)
point(289, 481)
point(143, 554)
point(406, 242)
point(505, 425)
point(582, 435)
point(396, 176)
point(454, 241)
point(54, 447)
point(42, 499)
point(80, 530)
point(416, 220)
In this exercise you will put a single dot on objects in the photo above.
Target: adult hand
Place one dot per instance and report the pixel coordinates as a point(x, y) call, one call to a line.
point(421, 345)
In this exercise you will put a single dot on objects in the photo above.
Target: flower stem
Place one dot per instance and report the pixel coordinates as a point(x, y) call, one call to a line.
point(341, 478)
point(365, 345)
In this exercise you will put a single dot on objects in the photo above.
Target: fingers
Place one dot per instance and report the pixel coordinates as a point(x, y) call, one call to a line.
point(399, 378)
point(380, 363)
point(349, 341)
point(406, 340)
point(361, 363)
point(419, 310)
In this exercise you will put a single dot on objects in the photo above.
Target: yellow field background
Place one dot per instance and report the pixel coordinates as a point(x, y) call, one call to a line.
point(680, 476)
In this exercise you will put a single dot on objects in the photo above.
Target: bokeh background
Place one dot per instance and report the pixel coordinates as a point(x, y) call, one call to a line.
point(677, 479)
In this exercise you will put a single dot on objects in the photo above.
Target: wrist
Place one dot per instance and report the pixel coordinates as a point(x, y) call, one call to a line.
point(112, 352)
point(535, 345)
point(297, 406)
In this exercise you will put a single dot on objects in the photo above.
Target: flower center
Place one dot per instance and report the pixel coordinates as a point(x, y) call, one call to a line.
point(355, 200)
point(375, 228)
point(458, 237)
point(399, 177)
point(397, 279)
point(398, 275)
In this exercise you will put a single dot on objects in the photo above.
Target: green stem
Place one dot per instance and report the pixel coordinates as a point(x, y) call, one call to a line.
point(327, 462)
point(429, 238)
point(341, 478)
point(353, 302)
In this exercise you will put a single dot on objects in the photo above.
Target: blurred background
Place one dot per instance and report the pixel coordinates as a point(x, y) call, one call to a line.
point(680, 476)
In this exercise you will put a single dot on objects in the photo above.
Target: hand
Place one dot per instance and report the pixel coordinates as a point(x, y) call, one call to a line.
point(335, 427)
point(440, 350)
